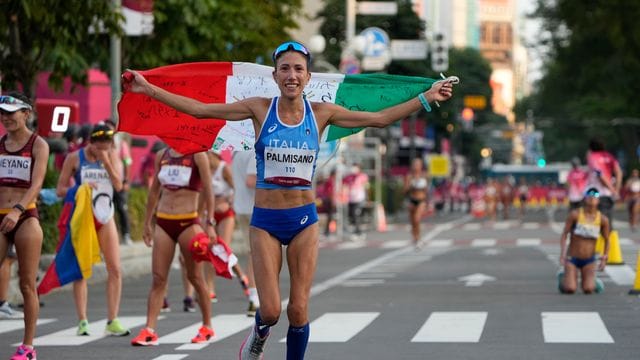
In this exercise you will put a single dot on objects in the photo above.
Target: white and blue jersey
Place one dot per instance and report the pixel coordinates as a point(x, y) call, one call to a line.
point(286, 154)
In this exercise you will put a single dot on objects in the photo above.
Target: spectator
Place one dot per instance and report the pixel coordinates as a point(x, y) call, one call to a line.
point(576, 181)
point(357, 184)
point(123, 166)
point(632, 193)
point(605, 175)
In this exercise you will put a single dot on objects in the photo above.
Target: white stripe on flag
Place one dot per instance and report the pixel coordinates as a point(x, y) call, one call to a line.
point(339, 327)
point(452, 327)
point(18, 324)
point(68, 337)
point(223, 325)
point(574, 327)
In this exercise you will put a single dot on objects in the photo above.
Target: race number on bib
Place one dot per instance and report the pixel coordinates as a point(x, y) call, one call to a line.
point(288, 167)
point(175, 175)
point(15, 167)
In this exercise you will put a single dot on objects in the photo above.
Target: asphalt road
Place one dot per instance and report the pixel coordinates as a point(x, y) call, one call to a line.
point(476, 290)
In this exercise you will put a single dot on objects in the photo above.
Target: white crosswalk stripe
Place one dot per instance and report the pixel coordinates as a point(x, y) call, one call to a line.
point(12, 325)
point(334, 327)
point(458, 327)
point(224, 326)
point(339, 327)
point(574, 327)
point(68, 337)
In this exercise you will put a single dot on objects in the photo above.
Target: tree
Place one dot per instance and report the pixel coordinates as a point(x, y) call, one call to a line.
point(592, 54)
point(38, 35)
point(242, 30)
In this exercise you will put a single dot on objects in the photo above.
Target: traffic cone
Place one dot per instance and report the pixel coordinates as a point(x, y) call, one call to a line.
point(636, 283)
point(382, 220)
point(615, 254)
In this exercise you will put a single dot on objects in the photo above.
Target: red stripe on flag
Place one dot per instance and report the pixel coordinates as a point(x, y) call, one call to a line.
point(206, 82)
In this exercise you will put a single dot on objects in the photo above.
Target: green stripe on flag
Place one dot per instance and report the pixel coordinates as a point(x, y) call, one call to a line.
point(374, 92)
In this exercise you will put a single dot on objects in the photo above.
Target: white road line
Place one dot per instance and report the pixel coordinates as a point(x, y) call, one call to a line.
point(224, 326)
point(339, 327)
point(483, 242)
point(18, 324)
point(528, 242)
point(68, 337)
point(192, 347)
point(348, 245)
point(531, 226)
point(621, 274)
point(472, 226)
point(395, 244)
point(574, 327)
point(362, 282)
point(625, 241)
point(502, 225)
point(440, 243)
point(452, 327)
point(171, 357)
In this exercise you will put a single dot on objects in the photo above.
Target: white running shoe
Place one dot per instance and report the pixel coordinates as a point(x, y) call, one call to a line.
point(6, 312)
point(253, 346)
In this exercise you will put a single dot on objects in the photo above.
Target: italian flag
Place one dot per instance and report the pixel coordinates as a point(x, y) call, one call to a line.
point(227, 82)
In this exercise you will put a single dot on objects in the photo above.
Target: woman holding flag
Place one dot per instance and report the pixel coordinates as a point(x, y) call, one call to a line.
point(173, 204)
point(93, 165)
point(23, 164)
point(288, 129)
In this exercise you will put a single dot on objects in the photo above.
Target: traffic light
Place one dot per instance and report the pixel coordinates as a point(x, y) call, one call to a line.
point(439, 53)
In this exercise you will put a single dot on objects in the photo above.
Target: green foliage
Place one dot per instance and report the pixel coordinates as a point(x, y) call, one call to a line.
point(137, 207)
point(208, 30)
point(38, 35)
point(593, 53)
point(49, 215)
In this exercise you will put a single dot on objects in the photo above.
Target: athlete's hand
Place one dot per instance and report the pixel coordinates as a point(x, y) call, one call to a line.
point(603, 262)
point(440, 91)
point(213, 236)
point(9, 221)
point(103, 156)
point(133, 81)
point(563, 260)
point(147, 235)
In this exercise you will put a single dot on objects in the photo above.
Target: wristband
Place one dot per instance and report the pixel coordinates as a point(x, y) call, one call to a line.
point(424, 102)
point(20, 208)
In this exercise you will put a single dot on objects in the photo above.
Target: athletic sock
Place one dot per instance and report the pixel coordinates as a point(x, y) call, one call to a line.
point(297, 339)
point(262, 328)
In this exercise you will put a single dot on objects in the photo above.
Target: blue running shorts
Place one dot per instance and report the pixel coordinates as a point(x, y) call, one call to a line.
point(284, 224)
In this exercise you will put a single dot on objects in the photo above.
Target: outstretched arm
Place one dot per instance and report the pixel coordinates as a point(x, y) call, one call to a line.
point(337, 115)
point(133, 81)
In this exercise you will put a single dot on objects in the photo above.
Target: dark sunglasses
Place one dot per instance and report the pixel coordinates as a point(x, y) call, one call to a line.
point(290, 45)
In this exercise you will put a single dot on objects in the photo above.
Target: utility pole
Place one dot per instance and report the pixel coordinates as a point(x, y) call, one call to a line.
point(115, 66)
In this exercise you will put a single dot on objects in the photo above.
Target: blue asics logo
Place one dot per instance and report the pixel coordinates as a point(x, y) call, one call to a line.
point(304, 220)
point(272, 128)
